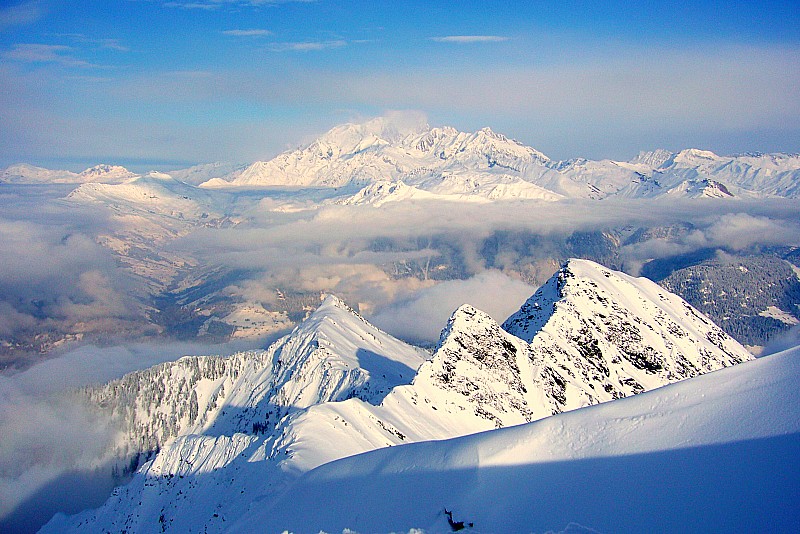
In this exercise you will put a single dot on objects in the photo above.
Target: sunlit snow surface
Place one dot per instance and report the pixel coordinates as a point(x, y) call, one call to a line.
point(716, 453)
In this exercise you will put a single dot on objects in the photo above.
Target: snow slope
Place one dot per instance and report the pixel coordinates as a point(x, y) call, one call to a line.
point(716, 453)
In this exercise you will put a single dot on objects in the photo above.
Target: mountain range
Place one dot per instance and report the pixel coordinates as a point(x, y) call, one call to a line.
point(217, 440)
point(379, 161)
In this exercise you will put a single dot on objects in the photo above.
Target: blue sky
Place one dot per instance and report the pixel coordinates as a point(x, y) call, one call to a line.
point(160, 84)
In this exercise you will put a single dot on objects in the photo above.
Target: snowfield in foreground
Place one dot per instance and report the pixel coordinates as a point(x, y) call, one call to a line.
point(716, 453)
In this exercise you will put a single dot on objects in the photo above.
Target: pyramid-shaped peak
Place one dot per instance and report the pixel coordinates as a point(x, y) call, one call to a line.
point(466, 320)
point(329, 300)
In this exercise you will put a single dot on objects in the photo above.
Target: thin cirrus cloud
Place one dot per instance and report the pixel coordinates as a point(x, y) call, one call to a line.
point(467, 39)
point(209, 5)
point(22, 14)
point(247, 33)
point(92, 42)
point(306, 46)
point(45, 53)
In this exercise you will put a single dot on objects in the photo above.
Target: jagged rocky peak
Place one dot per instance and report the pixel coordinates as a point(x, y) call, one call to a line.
point(488, 368)
point(604, 334)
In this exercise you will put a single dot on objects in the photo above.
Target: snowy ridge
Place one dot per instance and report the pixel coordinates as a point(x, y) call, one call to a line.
point(333, 355)
point(337, 387)
point(213, 421)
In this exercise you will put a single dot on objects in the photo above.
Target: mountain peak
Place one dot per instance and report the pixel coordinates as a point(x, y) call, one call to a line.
point(106, 173)
point(465, 319)
point(603, 327)
point(652, 158)
point(694, 157)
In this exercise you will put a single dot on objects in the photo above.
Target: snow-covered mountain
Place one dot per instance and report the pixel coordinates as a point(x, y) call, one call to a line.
point(486, 164)
point(227, 430)
point(220, 417)
point(608, 335)
point(23, 173)
point(28, 174)
point(197, 174)
point(108, 174)
point(466, 166)
point(333, 355)
point(155, 192)
point(716, 453)
point(442, 161)
point(760, 174)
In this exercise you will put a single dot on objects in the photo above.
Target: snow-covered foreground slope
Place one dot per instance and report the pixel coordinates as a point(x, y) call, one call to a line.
point(716, 453)
point(249, 424)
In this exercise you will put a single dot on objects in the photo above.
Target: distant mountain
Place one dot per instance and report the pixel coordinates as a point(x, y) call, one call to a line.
point(221, 431)
point(468, 166)
point(155, 192)
point(197, 174)
point(23, 173)
point(110, 174)
point(752, 298)
point(486, 164)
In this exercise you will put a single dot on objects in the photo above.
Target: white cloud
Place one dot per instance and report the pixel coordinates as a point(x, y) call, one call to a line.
point(247, 33)
point(45, 53)
point(208, 5)
point(421, 316)
point(21, 14)
point(738, 231)
point(467, 39)
point(306, 46)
